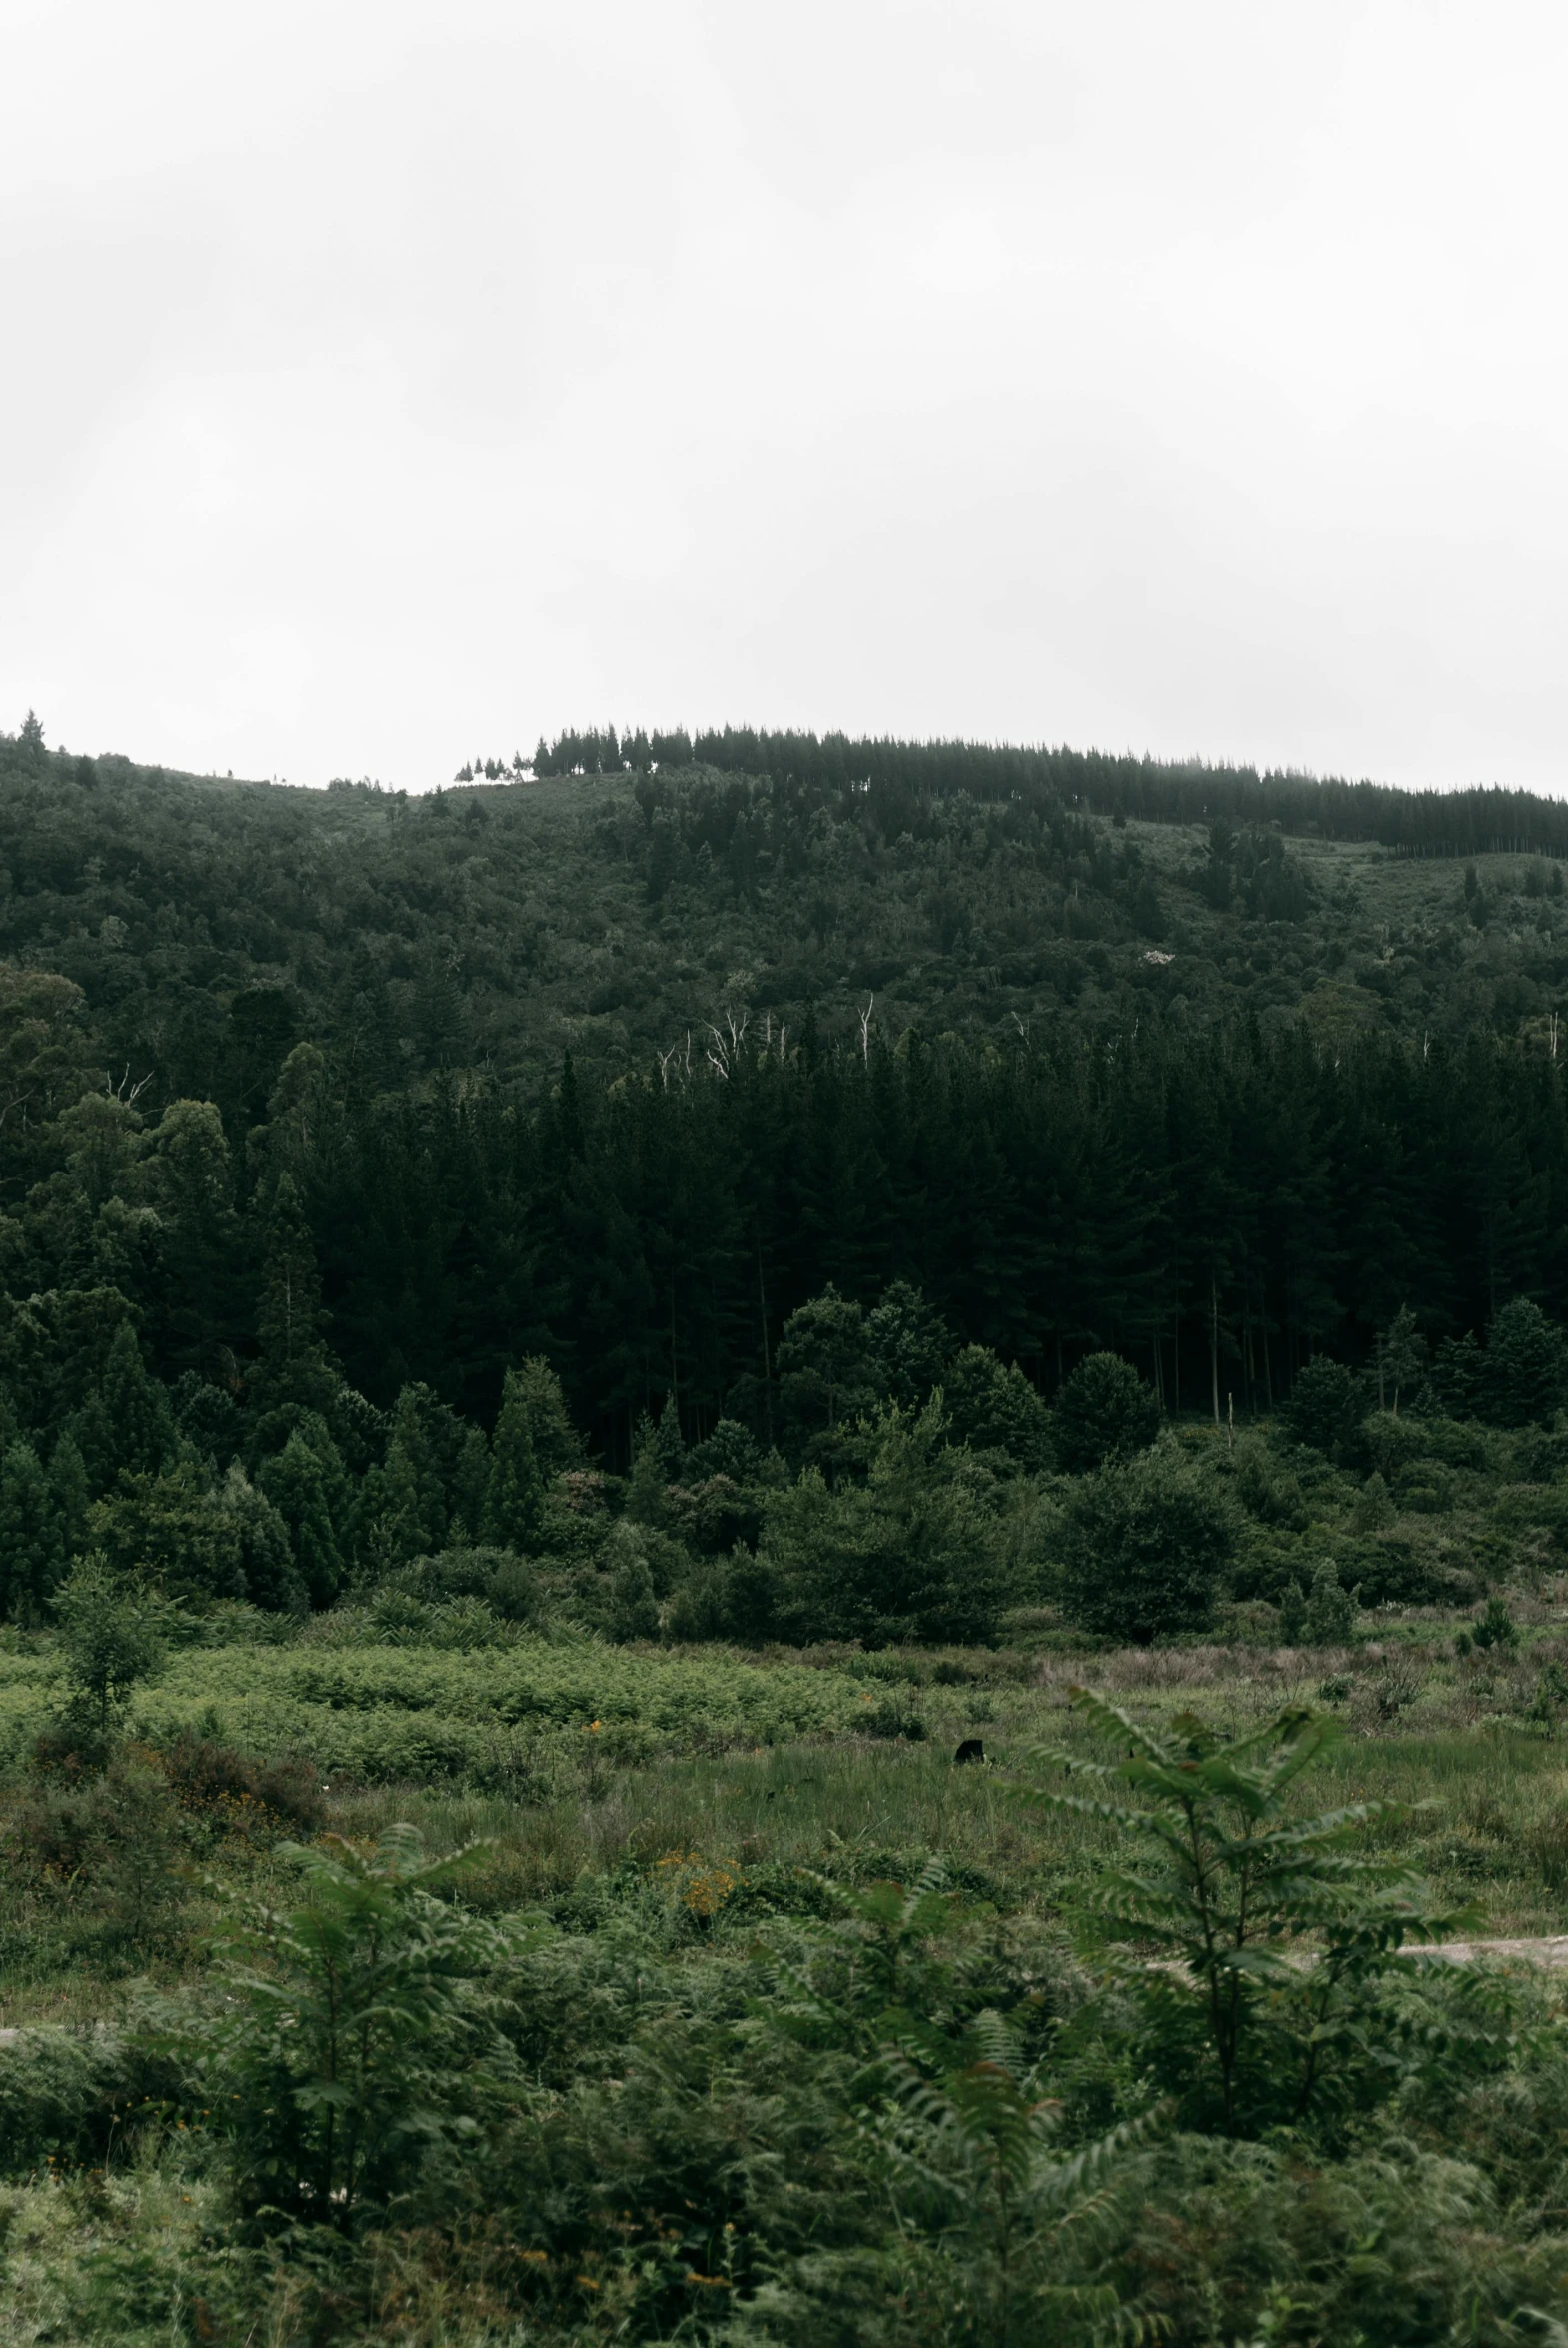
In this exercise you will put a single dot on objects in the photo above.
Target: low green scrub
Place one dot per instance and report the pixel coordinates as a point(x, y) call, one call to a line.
point(82, 2097)
point(381, 1712)
point(722, 2094)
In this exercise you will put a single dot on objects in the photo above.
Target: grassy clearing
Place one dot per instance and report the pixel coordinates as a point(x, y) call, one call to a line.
point(669, 1872)
point(834, 1760)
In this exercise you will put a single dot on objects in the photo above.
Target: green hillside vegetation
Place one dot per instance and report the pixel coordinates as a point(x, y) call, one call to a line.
point(493, 926)
point(507, 1520)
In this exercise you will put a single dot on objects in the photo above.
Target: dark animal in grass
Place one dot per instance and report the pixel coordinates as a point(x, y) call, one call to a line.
point(972, 1750)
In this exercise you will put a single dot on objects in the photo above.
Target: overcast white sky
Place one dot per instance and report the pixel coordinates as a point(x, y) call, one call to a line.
point(385, 384)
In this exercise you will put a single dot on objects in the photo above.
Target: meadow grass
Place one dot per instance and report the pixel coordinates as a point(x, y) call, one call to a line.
point(617, 1759)
point(697, 1837)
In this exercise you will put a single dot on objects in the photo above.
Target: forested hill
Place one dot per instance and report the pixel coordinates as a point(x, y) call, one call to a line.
point(616, 909)
point(623, 1068)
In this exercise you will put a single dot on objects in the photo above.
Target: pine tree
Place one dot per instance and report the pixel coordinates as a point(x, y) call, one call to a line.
point(32, 1553)
point(266, 1556)
point(658, 1457)
point(515, 1496)
point(909, 1345)
point(556, 1445)
point(295, 1365)
point(68, 1490)
point(137, 1421)
point(471, 1488)
point(391, 1526)
point(296, 1483)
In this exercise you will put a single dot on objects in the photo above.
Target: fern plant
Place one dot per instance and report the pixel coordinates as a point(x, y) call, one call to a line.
point(1269, 1931)
point(355, 2040)
point(969, 2139)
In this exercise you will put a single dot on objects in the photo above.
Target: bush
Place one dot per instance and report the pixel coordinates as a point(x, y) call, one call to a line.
point(1325, 1618)
point(109, 1635)
point(700, 1610)
point(907, 1556)
point(67, 2097)
point(110, 1845)
point(1395, 1443)
point(710, 1517)
point(1266, 1490)
point(732, 1599)
point(1393, 1570)
point(501, 1578)
point(1145, 1549)
point(1103, 1412)
point(223, 1788)
point(1429, 1488)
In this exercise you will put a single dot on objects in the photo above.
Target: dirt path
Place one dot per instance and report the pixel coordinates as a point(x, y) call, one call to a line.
point(1552, 1953)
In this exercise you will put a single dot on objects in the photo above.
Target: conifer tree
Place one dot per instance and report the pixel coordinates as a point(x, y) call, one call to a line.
point(69, 1491)
point(295, 1482)
point(266, 1554)
point(295, 1365)
point(556, 1446)
point(390, 1527)
point(470, 1487)
point(634, 1610)
point(32, 1553)
point(515, 1496)
point(137, 1424)
point(658, 1457)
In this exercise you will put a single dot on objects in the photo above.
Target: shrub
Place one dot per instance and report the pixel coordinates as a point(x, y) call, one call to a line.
point(505, 1581)
point(1266, 1490)
point(71, 2098)
point(907, 1556)
point(110, 1639)
point(1326, 1617)
point(109, 1843)
point(1145, 1548)
point(1400, 1571)
point(1429, 1488)
point(1103, 1412)
point(736, 1598)
point(698, 1611)
point(238, 1795)
point(1394, 1444)
point(710, 1517)
point(893, 1715)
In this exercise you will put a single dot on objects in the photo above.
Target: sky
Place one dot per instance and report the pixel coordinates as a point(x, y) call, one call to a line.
point(388, 385)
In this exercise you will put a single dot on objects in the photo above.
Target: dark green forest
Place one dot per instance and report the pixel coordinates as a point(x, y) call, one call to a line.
point(574, 1070)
